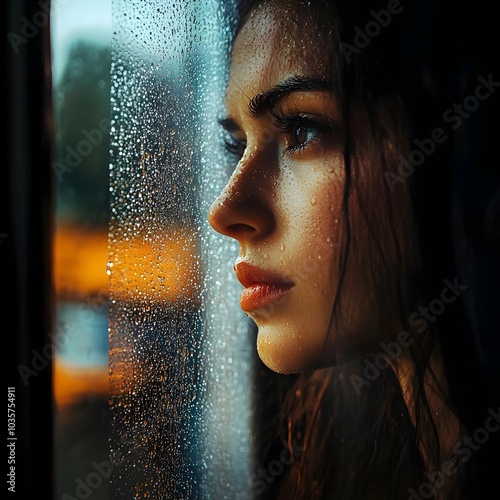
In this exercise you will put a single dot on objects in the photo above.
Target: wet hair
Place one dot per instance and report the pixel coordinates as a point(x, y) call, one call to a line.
point(361, 446)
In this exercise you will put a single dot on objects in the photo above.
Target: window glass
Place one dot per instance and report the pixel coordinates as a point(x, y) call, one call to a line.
point(180, 347)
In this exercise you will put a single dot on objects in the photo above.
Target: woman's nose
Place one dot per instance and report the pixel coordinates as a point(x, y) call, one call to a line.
point(244, 209)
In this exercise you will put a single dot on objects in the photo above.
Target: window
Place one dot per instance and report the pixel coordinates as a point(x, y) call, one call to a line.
point(180, 349)
point(138, 163)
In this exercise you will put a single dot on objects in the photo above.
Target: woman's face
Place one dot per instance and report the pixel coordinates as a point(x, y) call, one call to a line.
point(283, 202)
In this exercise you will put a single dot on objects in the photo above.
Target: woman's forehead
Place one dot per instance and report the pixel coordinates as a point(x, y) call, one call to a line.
point(276, 42)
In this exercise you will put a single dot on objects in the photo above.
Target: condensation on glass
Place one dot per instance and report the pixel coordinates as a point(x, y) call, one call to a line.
point(180, 347)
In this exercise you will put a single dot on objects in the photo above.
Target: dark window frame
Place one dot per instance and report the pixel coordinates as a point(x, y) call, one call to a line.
point(27, 229)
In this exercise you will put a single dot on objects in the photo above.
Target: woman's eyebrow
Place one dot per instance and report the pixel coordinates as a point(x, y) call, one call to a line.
point(266, 101)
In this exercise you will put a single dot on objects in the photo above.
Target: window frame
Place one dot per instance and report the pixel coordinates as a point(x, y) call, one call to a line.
point(27, 228)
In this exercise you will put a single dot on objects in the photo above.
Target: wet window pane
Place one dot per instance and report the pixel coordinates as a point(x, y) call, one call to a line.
point(180, 347)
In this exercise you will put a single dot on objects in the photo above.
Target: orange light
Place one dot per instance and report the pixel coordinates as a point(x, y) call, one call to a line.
point(73, 382)
point(80, 258)
point(157, 268)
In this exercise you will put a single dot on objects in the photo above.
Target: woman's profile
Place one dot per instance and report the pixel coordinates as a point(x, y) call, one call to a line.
point(364, 259)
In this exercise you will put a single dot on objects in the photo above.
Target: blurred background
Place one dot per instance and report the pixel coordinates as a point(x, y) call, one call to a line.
point(81, 66)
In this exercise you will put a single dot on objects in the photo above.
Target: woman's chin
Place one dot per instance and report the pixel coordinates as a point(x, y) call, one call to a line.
point(286, 352)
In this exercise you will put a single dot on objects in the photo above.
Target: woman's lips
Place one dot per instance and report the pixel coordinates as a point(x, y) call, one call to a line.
point(261, 287)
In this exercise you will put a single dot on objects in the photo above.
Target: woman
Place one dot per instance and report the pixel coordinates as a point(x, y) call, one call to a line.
point(346, 202)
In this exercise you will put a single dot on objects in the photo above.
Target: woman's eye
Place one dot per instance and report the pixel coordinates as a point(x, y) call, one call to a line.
point(233, 144)
point(236, 150)
point(303, 134)
point(301, 130)
point(234, 147)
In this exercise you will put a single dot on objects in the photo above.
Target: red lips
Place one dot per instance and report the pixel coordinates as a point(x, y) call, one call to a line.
point(261, 287)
